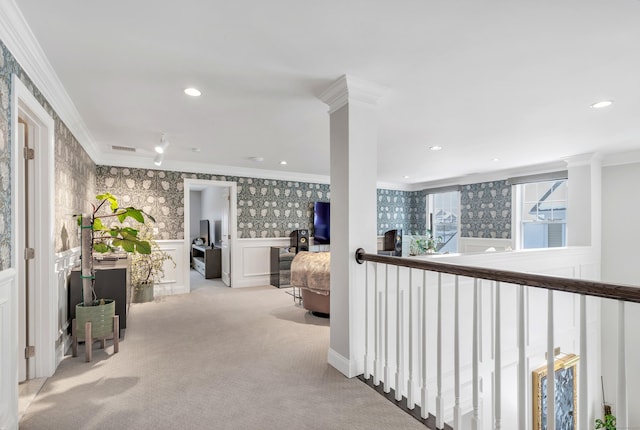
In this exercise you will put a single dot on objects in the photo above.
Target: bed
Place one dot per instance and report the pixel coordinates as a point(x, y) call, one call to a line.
point(310, 271)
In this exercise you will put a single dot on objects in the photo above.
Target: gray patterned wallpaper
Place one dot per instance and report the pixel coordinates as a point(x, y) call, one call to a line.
point(485, 210)
point(74, 170)
point(266, 207)
point(401, 209)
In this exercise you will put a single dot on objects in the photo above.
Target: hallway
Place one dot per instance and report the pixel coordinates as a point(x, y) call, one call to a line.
point(216, 358)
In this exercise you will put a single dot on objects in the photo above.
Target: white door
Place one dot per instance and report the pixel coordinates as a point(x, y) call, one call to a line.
point(26, 290)
point(226, 235)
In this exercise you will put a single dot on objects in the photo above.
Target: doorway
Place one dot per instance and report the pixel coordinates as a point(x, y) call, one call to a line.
point(33, 221)
point(220, 210)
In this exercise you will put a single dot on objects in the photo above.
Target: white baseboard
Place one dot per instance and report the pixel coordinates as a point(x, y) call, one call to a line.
point(349, 368)
point(169, 289)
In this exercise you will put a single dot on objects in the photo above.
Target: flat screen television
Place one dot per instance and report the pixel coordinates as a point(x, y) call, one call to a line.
point(321, 223)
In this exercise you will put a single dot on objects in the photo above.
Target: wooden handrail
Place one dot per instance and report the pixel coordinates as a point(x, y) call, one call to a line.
point(627, 293)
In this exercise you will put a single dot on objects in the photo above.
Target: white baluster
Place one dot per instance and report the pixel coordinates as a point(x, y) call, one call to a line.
point(387, 375)
point(621, 400)
point(424, 410)
point(457, 416)
point(399, 343)
point(497, 391)
point(379, 340)
point(583, 400)
point(411, 403)
point(377, 296)
point(439, 399)
point(522, 363)
point(367, 369)
point(475, 418)
point(551, 380)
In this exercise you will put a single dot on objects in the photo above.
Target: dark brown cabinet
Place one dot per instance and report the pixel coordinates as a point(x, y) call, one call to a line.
point(207, 261)
point(112, 282)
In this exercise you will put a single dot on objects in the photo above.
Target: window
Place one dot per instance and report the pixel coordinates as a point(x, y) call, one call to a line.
point(543, 214)
point(443, 219)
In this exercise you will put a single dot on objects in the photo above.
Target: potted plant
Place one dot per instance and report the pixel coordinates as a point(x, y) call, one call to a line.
point(147, 269)
point(609, 422)
point(98, 235)
point(424, 244)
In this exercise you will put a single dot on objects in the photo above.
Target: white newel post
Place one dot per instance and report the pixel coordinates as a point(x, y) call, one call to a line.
point(353, 127)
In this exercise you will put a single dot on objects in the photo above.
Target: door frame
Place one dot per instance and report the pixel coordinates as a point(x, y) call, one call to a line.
point(44, 319)
point(198, 184)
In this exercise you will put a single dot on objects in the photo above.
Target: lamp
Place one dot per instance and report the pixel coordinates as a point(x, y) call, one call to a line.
point(162, 146)
point(158, 160)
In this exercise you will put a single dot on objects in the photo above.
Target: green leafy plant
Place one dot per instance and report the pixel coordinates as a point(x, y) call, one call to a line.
point(101, 236)
point(424, 244)
point(609, 422)
point(146, 269)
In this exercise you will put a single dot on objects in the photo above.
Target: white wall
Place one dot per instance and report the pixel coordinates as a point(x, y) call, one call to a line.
point(195, 213)
point(8, 349)
point(212, 207)
point(620, 244)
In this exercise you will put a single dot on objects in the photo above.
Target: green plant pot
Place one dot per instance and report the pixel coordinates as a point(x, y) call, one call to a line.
point(142, 293)
point(101, 317)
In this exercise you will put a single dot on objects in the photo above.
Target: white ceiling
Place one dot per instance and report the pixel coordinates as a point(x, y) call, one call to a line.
point(484, 79)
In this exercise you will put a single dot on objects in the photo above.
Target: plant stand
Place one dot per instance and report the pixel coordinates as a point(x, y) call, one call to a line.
point(94, 323)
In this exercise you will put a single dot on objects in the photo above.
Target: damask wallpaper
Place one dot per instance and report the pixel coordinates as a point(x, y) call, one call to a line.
point(74, 170)
point(401, 210)
point(266, 207)
point(485, 210)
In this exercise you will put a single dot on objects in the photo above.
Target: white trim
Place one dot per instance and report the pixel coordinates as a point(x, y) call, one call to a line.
point(46, 300)
point(8, 350)
point(133, 161)
point(233, 223)
point(340, 363)
point(20, 40)
point(348, 89)
point(496, 175)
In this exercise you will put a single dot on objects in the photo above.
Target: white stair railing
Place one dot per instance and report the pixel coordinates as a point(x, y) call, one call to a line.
point(463, 349)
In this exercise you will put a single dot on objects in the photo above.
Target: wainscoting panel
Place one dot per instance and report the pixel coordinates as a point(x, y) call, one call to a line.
point(65, 261)
point(254, 265)
point(174, 281)
point(8, 350)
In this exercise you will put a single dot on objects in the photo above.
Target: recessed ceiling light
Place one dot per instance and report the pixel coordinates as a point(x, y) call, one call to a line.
point(195, 149)
point(406, 176)
point(602, 104)
point(193, 92)
point(495, 160)
point(283, 162)
point(435, 148)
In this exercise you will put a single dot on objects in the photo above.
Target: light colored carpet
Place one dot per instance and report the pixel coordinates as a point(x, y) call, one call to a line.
point(217, 358)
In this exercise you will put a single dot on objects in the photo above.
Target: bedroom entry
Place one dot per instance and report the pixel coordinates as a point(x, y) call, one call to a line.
point(210, 228)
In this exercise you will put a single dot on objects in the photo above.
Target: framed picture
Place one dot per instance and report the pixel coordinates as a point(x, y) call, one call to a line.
point(566, 401)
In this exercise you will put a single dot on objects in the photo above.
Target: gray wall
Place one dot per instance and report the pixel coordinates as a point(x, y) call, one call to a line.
point(74, 174)
point(266, 207)
point(485, 210)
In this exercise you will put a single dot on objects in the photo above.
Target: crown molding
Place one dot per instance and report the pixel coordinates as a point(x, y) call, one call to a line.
point(496, 175)
point(620, 158)
point(348, 89)
point(211, 169)
point(17, 36)
point(583, 159)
